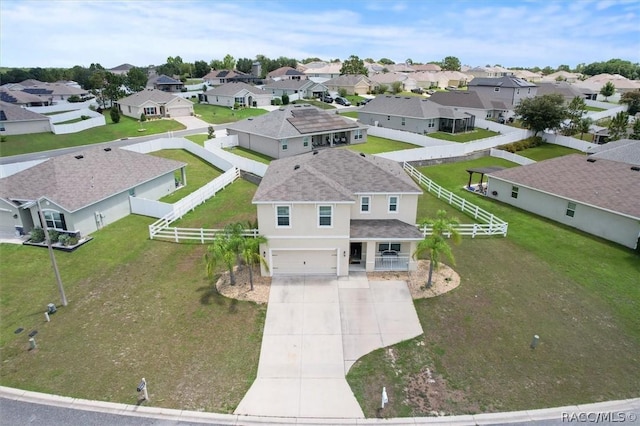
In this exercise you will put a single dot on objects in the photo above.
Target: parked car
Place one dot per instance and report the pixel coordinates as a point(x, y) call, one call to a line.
point(417, 90)
point(327, 98)
point(342, 101)
point(364, 101)
point(430, 92)
point(452, 88)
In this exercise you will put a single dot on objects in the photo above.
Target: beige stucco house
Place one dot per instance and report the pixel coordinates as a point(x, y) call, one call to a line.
point(154, 103)
point(353, 84)
point(236, 93)
point(334, 210)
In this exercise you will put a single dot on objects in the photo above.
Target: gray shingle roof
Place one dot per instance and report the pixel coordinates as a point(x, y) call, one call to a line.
point(561, 87)
point(347, 80)
point(19, 97)
point(332, 175)
point(278, 124)
point(231, 89)
point(467, 99)
point(289, 84)
point(165, 79)
point(74, 183)
point(606, 184)
point(511, 82)
point(409, 106)
point(11, 112)
point(384, 229)
point(154, 95)
point(623, 150)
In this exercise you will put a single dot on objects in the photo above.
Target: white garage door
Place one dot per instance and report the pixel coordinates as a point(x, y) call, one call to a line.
point(180, 111)
point(288, 262)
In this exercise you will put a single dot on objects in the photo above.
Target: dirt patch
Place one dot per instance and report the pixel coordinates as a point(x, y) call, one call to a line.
point(444, 279)
point(428, 395)
point(242, 289)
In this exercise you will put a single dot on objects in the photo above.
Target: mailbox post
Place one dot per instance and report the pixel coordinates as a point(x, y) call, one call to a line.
point(142, 387)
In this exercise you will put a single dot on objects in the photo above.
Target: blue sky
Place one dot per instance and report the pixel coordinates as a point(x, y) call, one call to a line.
point(511, 33)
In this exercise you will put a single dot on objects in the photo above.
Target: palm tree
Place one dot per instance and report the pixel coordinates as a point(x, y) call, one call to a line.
point(251, 254)
point(222, 251)
point(436, 244)
point(584, 125)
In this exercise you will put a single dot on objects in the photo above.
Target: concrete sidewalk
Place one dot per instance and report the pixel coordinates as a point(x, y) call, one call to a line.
point(316, 328)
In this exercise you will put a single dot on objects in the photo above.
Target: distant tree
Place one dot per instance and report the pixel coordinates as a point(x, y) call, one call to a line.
point(614, 66)
point(136, 79)
point(216, 64)
point(200, 69)
point(115, 114)
point(435, 245)
point(560, 78)
point(563, 68)
point(451, 63)
point(228, 62)
point(618, 126)
point(408, 61)
point(576, 109)
point(385, 70)
point(353, 65)
point(285, 99)
point(386, 61)
point(369, 60)
point(632, 100)
point(542, 112)
point(211, 132)
point(113, 87)
point(608, 90)
point(15, 75)
point(244, 65)
point(396, 87)
point(314, 59)
point(635, 131)
point(547, 70)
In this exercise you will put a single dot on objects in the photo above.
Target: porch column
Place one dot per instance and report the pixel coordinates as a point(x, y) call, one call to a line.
point(183, 173)
point(371, 256)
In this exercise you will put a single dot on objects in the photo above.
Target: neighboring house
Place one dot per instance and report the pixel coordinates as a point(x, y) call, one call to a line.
point(154, 103)
point(596, 195)
point(353, 84)
point(597, 82)
point(426, 79)
point(569, 77)
point(53, 92)
point(21, 98)
point(623, 150)
point(321, 71)
point(511, 90)
point(83, 191)
point(165, 84)
point(219, 77)
point(426, 68)
point(389, 78)
point(474, 103)
point(332, 211)
point(286, 73)
point(452, 78)
point(306, 88)
point(15, 120)
point(489, 72)
point(296, 129)
point(241, 94)
point(121, 69)
point(527, 75)
point(414, 114)
point(568, 91)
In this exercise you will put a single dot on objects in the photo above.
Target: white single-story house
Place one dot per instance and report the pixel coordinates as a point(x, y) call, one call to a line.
point(596, 195)
point(296, 129)
point(241, 94)
point(414, 114)
point(83, 191)
point(334, 210)
point(305, 88)
point(15, 120)
point(154, 103)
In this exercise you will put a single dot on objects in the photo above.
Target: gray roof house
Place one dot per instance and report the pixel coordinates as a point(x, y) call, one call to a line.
point(122, 69)
point(595, 195)
point(475, 103)
point(296, 129)
point(15, 120)
point(567, 90)
point(352, 83)
point(335, 211)
point(286, 73)
point(154, 103)
point(508, 89)
point(22, 98)
point(236, 93)
point(624, 150)
point(85, 190)
point(414, 114)
point(165, 83)
point(305, 88)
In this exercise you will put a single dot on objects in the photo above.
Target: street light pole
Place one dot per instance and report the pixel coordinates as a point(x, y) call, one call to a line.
point(51, 255)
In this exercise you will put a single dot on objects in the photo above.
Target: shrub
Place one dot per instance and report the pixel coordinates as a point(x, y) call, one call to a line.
point(285, 99)
point(37, 235)
point(277, 101)
point(211, 132)
point(143, 118)
point(64, 239)
point(54, 235)
point(3, 138)
point(73, 99)
point(342, 92)
point(73, 241)
point(236, 105)
point(115, 115)
point(84, 117)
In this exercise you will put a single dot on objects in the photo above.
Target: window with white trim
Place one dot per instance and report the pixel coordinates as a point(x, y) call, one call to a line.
point(496, 89)
point(571, 209)
point(325, 214)
point(393, 204)
point(431, 123)
point(150, 111)
point(284, 144)
point(357, 134)
point(514, 191)
point(305, 141)
point(403, 121)
point(283, 216)
point(54, 219)
point(365, 201)
point(389, 246)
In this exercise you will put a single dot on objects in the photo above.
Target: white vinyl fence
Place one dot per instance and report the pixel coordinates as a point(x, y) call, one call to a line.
point(222, 142)
point(245, 164)
point(62, 106)
point(408, 137)
point(611, 112)
point(567, 141)
point(490, 224)
point(13, 168)
point(96, 120)
point(509, 156)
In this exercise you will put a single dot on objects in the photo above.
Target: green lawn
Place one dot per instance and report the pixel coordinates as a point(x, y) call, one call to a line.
point(545, 279)
point(199, 139)
point(215, 114)
point(376, 145)
point(352, 114)
point(319, 104)
point(126, 128)
point(252, 155)
point(547, 151)
point(464, 137)
point(595, 109)
point(137, 308)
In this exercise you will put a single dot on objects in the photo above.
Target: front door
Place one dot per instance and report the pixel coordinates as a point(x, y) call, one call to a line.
point(355, 253)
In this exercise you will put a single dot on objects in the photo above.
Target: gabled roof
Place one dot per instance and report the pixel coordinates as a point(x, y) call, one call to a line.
point(467, 99)
point(290, 84)
point(55, 89)
point(332, 175)
point(508, 81)
point(74, 183)
point(284, 71)
point(388, 78)
point(31, 82)
point(623, 150)
point(426, 67)
point(409, 106)
point(293, 121)
point(563, 88)
point(347, 80)
point(10, 112)
point(123, 67)
point(606, 184)
point(224, 74)
point(154, 95)
point(18, 97)
point(233, 88)
point(165, 79)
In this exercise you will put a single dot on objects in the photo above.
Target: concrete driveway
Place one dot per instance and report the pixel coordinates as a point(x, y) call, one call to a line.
point(316, 328)
point(192, 123)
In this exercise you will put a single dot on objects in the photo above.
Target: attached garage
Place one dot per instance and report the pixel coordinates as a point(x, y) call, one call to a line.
point(304, 262)
point(180, 111)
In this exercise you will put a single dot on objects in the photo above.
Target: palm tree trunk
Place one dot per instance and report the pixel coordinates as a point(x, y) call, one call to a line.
point(429, 283)
point(251, 276)
point(232, 277)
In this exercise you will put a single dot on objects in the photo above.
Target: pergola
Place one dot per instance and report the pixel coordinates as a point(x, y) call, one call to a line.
point(482, 171)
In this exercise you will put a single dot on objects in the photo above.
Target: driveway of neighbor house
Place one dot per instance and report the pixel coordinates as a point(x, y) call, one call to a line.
point(316, 328)
point(191, 122)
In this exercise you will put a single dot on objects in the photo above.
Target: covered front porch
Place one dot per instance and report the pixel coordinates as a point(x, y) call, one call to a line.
point(382, 245)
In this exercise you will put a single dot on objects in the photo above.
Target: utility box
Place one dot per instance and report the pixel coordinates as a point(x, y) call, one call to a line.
point(51, 308)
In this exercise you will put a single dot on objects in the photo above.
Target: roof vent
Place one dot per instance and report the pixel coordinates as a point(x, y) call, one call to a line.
point(296, 167)
point(107, 149)
point(635, 168)
point(315, 152)
point(79, 157)
point(591, 160)
point(362, 154)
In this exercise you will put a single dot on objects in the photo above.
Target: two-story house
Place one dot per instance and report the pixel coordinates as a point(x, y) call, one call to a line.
point(510, 90)
point(335, 210)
